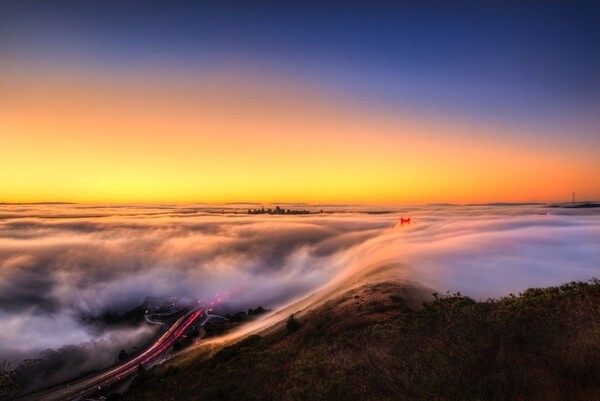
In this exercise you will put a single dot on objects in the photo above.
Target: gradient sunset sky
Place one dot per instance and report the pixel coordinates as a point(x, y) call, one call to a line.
point(299, 101)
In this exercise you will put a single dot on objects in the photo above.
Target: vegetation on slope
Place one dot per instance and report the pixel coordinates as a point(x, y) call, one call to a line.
point(371, 343)
point(7, 380)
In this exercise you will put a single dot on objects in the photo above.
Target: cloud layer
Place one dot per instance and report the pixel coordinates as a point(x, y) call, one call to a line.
point(59, 262)
point(495, 251)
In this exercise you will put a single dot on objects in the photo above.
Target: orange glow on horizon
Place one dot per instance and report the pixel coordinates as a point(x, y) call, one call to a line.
point(236, 139)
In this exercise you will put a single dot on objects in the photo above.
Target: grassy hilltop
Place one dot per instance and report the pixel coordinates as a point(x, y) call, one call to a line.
point(372, 343)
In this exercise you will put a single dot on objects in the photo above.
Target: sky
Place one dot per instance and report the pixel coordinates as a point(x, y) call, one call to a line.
point(387, 102)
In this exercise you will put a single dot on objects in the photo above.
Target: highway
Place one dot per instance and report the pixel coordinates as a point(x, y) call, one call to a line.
point(150, 356)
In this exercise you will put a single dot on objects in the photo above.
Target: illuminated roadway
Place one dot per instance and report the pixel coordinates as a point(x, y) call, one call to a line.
point(88, 385)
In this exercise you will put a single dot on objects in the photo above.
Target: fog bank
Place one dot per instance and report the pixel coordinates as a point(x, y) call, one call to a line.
point(60, 262)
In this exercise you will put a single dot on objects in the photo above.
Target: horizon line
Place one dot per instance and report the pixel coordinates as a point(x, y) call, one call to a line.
point(524, 203)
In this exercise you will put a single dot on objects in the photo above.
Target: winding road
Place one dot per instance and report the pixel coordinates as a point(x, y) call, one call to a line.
point(150, 356)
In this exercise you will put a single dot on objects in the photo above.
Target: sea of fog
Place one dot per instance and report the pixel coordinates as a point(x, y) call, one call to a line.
point(60, 262)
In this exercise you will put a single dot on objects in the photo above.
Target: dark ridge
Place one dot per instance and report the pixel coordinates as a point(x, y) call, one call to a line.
point(506, 204)
point(585, 205)
point(38, 203)
point(131, 317)
point(373, 344)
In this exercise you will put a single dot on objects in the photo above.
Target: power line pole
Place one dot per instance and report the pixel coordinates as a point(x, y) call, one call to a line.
point(573, 201)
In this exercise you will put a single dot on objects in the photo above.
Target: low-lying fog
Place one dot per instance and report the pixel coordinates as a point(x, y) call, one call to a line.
point(61, 262)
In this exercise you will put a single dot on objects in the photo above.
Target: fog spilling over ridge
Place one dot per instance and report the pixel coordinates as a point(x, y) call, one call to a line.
point(61, 262)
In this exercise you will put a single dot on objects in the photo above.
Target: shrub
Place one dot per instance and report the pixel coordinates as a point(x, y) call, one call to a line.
point(7, 380)
point(292, 324)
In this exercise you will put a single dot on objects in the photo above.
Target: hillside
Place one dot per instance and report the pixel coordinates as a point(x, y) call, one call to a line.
point(377, 343)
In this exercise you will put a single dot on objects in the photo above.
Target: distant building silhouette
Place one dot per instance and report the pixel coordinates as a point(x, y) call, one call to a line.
point(277, 210)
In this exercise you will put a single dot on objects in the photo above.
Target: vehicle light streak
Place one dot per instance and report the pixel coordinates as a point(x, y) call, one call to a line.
point(88, 385)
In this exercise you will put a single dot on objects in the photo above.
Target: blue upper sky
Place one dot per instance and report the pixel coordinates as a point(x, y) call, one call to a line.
point(525, 62)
